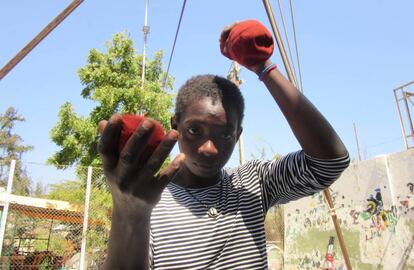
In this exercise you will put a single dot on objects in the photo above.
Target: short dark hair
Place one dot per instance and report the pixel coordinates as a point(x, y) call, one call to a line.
point(213, 86)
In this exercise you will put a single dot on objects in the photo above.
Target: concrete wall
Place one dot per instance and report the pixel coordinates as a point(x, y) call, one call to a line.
point(374, 202)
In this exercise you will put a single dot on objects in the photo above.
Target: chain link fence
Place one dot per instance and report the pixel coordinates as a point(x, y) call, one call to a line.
point(59, 221)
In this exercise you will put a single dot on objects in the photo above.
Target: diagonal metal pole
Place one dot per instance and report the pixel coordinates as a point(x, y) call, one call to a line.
point(279, 42)
point(38, 38)
point(326, 192)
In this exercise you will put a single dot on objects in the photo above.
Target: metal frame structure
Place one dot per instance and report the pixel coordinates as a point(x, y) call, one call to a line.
point(402, 95)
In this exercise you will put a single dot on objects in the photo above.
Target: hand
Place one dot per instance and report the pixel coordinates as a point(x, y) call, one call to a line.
point(223, 39)
point(260, 66)
point(247, 42)
point(135, 184)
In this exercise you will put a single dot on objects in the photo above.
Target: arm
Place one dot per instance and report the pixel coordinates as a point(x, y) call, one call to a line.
point(312, 130)
point(135, 189)
point(314, 133)
point(326, 156)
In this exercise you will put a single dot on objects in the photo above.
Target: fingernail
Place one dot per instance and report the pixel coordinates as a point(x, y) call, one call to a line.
point(146, 124)
point(115, 118)
point(173, 134)
point(181, 156)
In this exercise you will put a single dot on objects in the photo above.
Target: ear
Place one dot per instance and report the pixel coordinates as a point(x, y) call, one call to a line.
point(239, 132)
point(173, 122)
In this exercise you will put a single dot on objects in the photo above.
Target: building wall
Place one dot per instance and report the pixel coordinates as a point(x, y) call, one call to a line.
point(374, 203)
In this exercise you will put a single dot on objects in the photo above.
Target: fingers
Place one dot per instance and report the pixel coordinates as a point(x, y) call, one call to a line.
point(168, 173)
point(101, 126)
point(173, 166)
point(226, 31)
point(143, 180)
point(160, 154)
point(223, 40)
point(108, 144)
point(135, 147)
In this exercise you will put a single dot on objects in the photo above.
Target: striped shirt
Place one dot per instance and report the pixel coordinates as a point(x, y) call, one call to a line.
point(183, 236)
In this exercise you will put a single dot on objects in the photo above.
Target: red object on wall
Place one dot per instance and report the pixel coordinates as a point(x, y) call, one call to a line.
point(248, 43)
point(130, 122)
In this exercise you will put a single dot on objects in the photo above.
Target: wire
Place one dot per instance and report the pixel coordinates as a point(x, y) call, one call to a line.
point(287, 40)
point(383, 143)
point(296, 44)
point(175, 41)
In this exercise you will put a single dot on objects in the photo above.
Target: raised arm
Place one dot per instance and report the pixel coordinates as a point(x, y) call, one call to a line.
point(312, 130)
point(251, 45)
point(135, 188)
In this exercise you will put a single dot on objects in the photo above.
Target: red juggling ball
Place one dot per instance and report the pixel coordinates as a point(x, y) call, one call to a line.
point(130, 123)
point(248, 43)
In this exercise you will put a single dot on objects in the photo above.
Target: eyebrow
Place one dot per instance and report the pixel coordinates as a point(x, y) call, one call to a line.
point(229, 126)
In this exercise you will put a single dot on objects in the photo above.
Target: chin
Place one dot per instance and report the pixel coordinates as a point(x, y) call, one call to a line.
point(204, 171)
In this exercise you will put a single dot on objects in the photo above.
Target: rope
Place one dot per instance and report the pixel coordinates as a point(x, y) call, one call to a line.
point(175, 41)
point(296, 44)
point(287, 40)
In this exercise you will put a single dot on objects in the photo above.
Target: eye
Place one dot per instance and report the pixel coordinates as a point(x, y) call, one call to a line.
point(193, 131)
point(228, 136)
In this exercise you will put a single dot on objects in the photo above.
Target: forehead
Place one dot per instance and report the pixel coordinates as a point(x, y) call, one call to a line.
point(210, 111)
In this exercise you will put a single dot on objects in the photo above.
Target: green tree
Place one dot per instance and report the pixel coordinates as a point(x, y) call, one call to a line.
point(39, 190)
point(111, 79)
point(12, 147)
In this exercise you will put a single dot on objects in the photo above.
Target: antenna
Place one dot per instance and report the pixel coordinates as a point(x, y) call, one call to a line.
point(234, 77)
point(357, 142)
point(145, 29)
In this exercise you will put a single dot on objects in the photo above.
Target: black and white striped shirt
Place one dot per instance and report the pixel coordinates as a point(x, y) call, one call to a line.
point(183, 236)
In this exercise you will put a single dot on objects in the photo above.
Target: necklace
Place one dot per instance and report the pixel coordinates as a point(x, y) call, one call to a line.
point(212, 210)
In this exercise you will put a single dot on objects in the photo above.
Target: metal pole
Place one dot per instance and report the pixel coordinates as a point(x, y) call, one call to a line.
point(410, 121)
point(6, 204)
point(338, 229)
point(390, 183)
point(85, 218)
point(241, 147)
point(279, 41)
point(37, 39)
point(50, 233)
point(145, 29)
point(400, 115)
point(291, 79)
point(234, 77)
point(403, 86)
point(357, 142)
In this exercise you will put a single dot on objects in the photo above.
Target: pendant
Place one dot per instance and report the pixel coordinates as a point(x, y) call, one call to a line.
point(212, 212)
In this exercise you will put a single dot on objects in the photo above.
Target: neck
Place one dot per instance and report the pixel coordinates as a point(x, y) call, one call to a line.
point(186, 178)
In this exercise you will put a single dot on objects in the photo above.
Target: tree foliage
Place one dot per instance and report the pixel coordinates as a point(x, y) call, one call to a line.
point(111, 79)
point(12, 147)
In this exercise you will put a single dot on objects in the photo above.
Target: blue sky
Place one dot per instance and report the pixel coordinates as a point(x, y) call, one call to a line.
point(352, 55)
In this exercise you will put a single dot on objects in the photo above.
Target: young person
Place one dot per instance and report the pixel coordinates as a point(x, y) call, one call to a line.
point(194, 214)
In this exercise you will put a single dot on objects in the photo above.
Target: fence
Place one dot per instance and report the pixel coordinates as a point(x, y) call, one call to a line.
point(65, 224)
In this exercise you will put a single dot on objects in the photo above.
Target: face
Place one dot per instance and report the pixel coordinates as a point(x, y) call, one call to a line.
point(208, 134)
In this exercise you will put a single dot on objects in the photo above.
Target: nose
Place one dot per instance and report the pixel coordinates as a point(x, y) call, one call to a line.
point(208, 148)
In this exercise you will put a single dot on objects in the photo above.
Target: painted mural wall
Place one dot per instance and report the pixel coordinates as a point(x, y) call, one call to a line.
point(374, 203)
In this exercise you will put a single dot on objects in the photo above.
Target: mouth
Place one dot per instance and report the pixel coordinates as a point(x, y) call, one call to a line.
point(206, 166)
